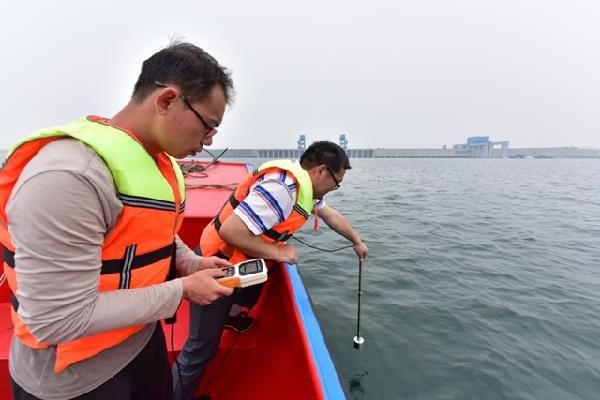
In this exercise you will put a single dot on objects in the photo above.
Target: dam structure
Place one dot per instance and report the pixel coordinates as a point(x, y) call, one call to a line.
point(474, 147)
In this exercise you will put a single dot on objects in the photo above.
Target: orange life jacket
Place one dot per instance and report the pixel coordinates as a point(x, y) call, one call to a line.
point(211, 242)
point(138, 250)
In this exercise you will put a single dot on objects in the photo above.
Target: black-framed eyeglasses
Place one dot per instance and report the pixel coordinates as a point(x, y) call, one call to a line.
point(337, 183)
point(210, 130)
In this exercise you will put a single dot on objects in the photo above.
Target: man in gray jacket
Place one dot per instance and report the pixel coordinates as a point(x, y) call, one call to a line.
point(64, 206)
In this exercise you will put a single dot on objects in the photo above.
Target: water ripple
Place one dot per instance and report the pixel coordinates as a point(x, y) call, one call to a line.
point(481, 282)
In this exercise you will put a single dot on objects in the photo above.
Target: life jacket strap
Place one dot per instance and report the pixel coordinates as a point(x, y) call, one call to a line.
point(217, 220)
point(172, 275)
point(14, 302)
point(8, 257)
point(114, 266)
point(277, 236)
point(137, 261)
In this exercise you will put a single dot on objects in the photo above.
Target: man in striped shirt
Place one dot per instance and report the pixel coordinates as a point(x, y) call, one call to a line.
point(265, 210)
point(270, 202)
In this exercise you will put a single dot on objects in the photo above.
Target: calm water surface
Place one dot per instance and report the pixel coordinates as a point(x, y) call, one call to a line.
point(482, 280)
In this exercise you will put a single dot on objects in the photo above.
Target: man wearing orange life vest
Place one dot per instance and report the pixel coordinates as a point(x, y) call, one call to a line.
point(266, 209)
point(89, 214)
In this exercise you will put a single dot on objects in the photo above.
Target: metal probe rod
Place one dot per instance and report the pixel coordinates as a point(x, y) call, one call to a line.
point(358, 340)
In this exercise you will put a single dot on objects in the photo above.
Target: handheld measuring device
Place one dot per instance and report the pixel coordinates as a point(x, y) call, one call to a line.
point(246, 273)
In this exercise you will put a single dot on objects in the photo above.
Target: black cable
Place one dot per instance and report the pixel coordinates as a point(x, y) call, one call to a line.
point(218, 371)
point(357, 338)
point(320, 249)
point(176, 361)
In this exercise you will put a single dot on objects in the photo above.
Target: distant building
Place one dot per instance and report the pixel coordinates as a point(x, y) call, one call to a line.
point(343, 142)
point(301, 144)
point(483, 147)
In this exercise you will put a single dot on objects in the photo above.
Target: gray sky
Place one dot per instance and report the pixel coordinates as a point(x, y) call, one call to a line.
point(418, 73)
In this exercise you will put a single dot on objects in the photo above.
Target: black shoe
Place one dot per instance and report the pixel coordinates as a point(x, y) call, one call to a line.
point(240, 323)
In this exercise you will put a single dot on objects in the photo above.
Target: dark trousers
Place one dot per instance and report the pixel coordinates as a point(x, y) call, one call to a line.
point(205, 330)
point(146, 377)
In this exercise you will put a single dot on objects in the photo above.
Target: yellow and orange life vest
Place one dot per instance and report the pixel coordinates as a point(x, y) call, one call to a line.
point(138, 250)
point(212, 244)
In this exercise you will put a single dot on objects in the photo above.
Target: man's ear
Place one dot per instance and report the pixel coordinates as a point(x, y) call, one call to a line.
point(316, 171)
point(164, 99)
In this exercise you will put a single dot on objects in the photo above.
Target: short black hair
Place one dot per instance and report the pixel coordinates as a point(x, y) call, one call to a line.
point(325, 152)
point(191, 69)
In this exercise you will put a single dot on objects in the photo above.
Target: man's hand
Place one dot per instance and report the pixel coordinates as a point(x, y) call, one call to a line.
point(287, 253)
point(211, 262)
point(361, 250)
point(202, 288)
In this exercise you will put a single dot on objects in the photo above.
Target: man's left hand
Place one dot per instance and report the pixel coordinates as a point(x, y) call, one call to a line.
point(211, 262)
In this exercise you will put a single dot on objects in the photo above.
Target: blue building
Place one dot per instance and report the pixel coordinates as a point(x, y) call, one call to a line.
point(483, 147)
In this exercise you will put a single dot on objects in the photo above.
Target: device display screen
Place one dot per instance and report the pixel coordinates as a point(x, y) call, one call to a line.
point(250, 268)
